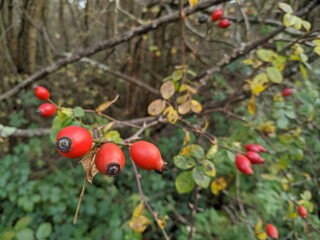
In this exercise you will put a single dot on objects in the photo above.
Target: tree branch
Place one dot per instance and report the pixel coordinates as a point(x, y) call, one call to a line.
point(109, 43)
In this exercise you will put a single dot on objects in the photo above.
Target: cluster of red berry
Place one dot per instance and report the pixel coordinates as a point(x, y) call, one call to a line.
point(45, 109)
point(244, 162)
point(75, 141)
point(216, 15)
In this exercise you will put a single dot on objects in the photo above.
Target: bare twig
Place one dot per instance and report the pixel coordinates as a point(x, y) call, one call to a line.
point(152, 212)
point(80, 200)
point(103, 45)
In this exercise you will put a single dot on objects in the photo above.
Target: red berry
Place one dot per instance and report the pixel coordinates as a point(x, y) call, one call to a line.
point(254, 157)
point(110, 159)
point(224, 23)
point(147, 156)
point(255, 148)
point(243, 164)
point(303, 212)
point(73, 141)
point(272, 231)
point(42, 93)
point(287, 92)
point(216, 14)
point(47, 109)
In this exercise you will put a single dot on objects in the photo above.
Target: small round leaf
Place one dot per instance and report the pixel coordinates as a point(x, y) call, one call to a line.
point(156, 107)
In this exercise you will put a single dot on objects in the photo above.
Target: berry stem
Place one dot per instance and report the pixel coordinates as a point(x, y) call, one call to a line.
point(80, 200)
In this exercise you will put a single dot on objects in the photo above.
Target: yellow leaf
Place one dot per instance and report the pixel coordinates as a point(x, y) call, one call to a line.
point(156, 107)
point(258, 226)
point(259, 83)
point(162, 222)
point(190, 89)
point(218, 185)
point(303, 71)
point(139, 224)
point(251, 105)
point(104, 106)
point(172, 114)
point(184, 108)
point(212, 151)
point(193, 3)
point(138, 210)
point(267, 128)
point(167, 90)
point(184, 98)
point(261, 236)
point(186, 139)
point(292, 215)
point(289, 20)
point(196, 107)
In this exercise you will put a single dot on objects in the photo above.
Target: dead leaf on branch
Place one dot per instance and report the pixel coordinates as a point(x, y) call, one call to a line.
point(88, 164)
point(156, 107)
point(104, 106)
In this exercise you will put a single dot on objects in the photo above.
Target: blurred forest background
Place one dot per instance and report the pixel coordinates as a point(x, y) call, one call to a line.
point(88, 52)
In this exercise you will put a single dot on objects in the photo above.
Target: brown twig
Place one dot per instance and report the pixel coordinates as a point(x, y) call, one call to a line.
point(152, 212)
point(103, 45)
point(80, 200)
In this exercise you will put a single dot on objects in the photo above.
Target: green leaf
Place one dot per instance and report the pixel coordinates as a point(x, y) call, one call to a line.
point(298, 23)
point(44, 230)
point(193, 150)
point(317, 50)
point(265, 55)
point(67, 112)
point(290, 114)
point(78, 112)
point(6, 131)
point(184, 182)
point(25, 234)
point(200, 178)
point(184, 162)
point(209, 168)
point(296, 154)
point(289, 20)
point(286, 138)
point(9, 235)
point(284, 161)
point(22, 223)
point(285, 7)
point(306, 195)
point(282, 122)
point(306, 25)
point(274, 75)
point(113, 136)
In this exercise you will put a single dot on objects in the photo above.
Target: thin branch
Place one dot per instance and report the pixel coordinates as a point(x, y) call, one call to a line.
point(193, 213)
point(103, 45)
point(152, 212)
